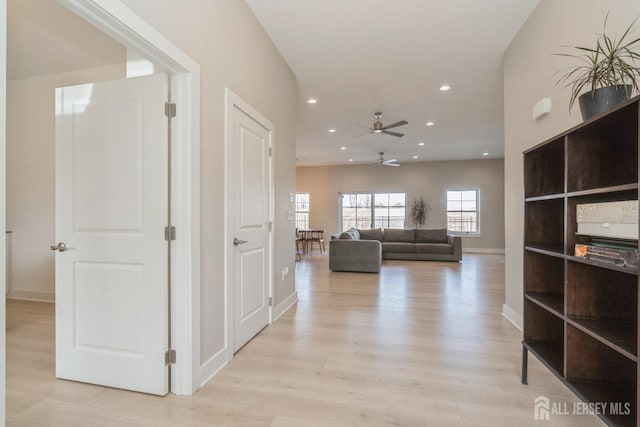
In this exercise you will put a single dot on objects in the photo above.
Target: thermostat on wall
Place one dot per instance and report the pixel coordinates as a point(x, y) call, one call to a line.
point(542, 108)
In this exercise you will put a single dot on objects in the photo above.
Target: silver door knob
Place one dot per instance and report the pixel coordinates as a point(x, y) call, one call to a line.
point(59, 247)
point(237, 242)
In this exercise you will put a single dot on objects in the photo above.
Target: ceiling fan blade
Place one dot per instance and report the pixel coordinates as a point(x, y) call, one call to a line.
point(389, 161)
point(360, 126)
point(393, 125)
point(362, 134)
point(391, 164)
point(399, 135)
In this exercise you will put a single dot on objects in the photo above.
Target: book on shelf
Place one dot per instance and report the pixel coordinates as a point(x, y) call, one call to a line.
point(623, 253)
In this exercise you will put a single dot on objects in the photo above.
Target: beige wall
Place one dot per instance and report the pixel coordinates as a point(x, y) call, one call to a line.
point(427, 179)
point(529, 67)
point(233, 51)
point(31, 177)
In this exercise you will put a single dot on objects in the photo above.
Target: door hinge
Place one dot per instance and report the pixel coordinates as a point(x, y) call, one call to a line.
point(270, 301)
point(169, 109)
point(270, 152)
point(270, 225)
point(169, 233)
point(170, 357)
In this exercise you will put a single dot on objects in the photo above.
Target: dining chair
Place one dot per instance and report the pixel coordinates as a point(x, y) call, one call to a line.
point(316, 236)
point(300, 245)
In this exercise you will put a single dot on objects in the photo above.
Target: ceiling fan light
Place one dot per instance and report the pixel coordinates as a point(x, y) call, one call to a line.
point(377, 131)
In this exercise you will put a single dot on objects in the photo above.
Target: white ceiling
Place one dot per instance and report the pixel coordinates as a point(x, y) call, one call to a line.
point(44, 37)
point(361, 56)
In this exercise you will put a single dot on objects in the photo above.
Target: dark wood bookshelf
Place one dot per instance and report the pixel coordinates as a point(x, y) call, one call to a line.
point(581, 315)
point(610, 393)
point(605, 265)
point(548, 353)
point(553, 303)
point(604, 190)
point(549, 197)
point(551, 250)
point(620, 336)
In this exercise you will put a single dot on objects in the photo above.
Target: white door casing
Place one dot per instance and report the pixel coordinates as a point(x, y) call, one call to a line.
point(3, 112)
point(251, 174)
point(117, 20)
point(111, 210)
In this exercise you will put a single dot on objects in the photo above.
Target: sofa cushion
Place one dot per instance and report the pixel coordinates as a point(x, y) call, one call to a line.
point(375, 234)
point(431, 236)
point(434, 248)
point(399, 235)
point(398, 247)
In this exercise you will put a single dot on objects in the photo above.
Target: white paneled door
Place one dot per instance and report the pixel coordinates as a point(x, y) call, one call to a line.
point(251, 227)
point(111, 211)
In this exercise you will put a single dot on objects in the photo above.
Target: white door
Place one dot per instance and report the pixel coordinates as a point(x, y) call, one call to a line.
point(111, 211)
point(251, 227)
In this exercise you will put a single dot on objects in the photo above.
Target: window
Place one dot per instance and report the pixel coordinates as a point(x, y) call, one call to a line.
point(302, 210)
point(463, 211)
point(372, 210)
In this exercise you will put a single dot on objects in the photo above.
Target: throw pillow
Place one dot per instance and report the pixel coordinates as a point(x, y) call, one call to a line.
point(345, 235)
point(355, 233)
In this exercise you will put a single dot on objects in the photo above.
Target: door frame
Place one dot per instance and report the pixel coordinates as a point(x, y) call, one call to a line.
point(233, 101)
point(3, 210)
point(119, 22)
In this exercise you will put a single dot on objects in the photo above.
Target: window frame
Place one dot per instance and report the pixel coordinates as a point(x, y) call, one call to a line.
point(307, 211)
point(372, 207)
point(476, 233)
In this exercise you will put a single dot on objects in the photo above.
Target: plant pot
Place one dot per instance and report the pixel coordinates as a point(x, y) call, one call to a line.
point(602, 99)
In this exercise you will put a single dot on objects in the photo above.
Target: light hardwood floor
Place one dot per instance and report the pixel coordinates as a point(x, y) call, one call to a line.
point(420, 344)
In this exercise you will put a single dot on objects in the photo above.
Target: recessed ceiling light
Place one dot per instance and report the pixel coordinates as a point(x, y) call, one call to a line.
point(445, 87)
point(312, 101)
point(332, 130)
point(421, 144)
point(485, 154)
point(351, 160)
point(343, 148)
point(415, 157)
point(430, 123)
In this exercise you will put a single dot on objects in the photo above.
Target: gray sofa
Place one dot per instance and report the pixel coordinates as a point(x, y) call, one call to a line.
point(364, 250)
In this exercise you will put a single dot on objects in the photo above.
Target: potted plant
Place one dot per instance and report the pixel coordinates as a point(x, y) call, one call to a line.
point(419, 211)
point(609, 70)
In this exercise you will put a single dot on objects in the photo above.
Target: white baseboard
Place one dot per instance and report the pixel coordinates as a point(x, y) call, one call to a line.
point(512, 316)
point(31, 295)
point(215, 363)
point(482, 251)
point(211, 367)
point(285, 305)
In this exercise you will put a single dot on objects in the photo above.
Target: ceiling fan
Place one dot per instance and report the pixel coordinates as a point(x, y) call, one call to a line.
point(382, 162)
point(379, 128)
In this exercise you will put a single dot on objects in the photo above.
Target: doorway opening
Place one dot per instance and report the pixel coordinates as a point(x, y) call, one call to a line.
point(119, 23)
